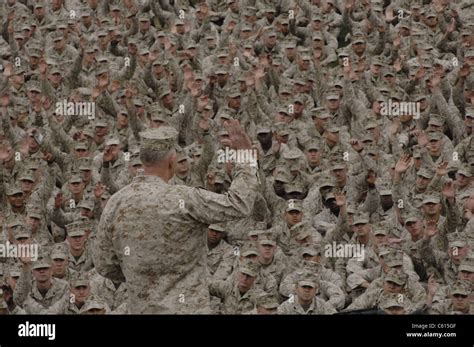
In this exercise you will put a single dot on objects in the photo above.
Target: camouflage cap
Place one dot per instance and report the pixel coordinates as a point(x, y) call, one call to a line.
point(59, 253)
point(102, 69)
point(371, 124)
point(255, 232)
point(413, 216)
point(467, 264)
point(26, 176)
point(75, 229)
point(312, 145)
point(316, 17)
point(470, 111)
point(308, 279)
point(160, 61)
point(75, 179)
point(144, 17)
point(394, 258)
point(80, 280)
point(435, 136)
point(320, 112)
point(326, 181)
point(34, 213)
point(328, 196)
point(282, 174)
point(292, 154)
point(430, 13)
point(389, 300)
point(21, 232)
point(317, 36)
point(218, 227)
point(181, 155)
point(262, 129)
point(337, 84)
point(385, 191)
point(248, 249)
point(351, 208)
point(312, 250)
point(379, 230)
point(250, 11)
point(425, 172)
point(15, 222)
point(93, 305)
point(267, 301)
point(462, 287)
point(457, 239)
point(431, 198)
point(220, 177)
point(436, 120)
point(112, 141)
point(13, 189)
point(33, 52)
point(285, 89)
point(358, 39)
point(465, 171)
point(221, 70)
point(160, 139)
point(57, 36)
point(361, 218)
point(86, 204)
point(158, 116)
point(267, 239)
point(339, 165)
point(234, 92)
point(85, 165)
point(293, 188)
point(333, 128)
point(136, 161)
point(299, 98)
point(42, 263)
point(396, 276)
point(384, 249)
point(15, 270)
point(99, 123)
point(34, 86)
point(90, 48)
point(249, 267)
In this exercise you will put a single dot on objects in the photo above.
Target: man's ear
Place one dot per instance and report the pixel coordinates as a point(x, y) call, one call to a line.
point(172, 160)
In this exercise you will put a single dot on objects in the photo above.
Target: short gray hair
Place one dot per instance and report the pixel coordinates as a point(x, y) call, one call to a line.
point(150, 156)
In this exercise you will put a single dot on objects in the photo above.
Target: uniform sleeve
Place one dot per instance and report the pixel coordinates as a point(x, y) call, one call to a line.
point(218, 289)
point(225, 268)
point(365, 301)
point(335, 296)
point(285, 308)
point(428, 255)
point(59, 307)
point(105, 258)
point(287, 285)
point(208, 207)
point(23, 286)
point(418, 295)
